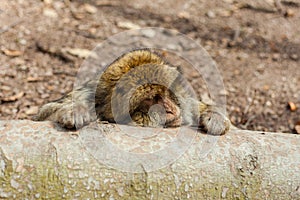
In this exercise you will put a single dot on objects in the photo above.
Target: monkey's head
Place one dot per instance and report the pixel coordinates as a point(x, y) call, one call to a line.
point(152, 92)
point(155, 105)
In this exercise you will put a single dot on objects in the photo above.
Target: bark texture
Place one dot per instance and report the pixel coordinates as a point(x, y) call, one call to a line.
point(39, 160)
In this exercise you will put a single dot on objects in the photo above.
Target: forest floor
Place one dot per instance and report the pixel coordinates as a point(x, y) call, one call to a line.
point(255, 45)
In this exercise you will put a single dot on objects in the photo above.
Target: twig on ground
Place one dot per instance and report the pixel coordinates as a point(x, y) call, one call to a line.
point(7, 28)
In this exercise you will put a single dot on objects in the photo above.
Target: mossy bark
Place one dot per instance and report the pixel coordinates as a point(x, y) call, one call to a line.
point(42, 161)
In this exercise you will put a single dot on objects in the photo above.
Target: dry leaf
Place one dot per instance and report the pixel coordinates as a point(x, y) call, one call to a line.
point(14, 97)
point(289, 13)
point(33, 79)
point(48, 12)
point(292, 106)
point(5, 88)
point(48, 2)
point(32, 110)
point(210, 14)
point(81, 53)
point(78, 15)
point(225, 13)
point(12, 53)
point(89, 8)
point(106, 3)
point(184, 15)
point(128, 25)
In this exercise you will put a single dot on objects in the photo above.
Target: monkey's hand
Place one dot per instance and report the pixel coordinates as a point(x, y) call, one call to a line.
point(214, 121)
point(68, 113)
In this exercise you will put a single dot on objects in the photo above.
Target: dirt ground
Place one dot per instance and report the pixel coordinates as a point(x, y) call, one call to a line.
point(256, 46)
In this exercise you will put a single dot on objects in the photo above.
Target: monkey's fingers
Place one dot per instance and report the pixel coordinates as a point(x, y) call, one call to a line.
point(76, 117)
point(68, 115)
point(214, 122)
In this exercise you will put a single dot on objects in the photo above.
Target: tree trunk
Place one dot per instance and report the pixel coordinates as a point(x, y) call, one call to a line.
point(39, 160)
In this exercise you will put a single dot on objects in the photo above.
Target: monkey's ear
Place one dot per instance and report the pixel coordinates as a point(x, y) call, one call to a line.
point(180, 69)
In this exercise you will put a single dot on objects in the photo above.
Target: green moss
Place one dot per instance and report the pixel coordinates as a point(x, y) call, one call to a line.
point(45, 178)
point(7, 168)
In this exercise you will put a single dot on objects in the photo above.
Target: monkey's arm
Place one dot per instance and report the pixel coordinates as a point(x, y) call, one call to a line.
point(73, 110)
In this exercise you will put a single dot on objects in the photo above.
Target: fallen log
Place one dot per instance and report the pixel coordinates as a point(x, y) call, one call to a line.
point(40, 160)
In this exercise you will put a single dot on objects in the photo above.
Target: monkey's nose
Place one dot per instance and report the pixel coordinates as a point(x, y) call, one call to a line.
point(157, 114)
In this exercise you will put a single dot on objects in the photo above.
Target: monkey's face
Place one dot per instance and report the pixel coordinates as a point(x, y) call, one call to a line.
point(158, 110)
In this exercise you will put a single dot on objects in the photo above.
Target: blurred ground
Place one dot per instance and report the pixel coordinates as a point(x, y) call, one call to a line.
point(256, 46)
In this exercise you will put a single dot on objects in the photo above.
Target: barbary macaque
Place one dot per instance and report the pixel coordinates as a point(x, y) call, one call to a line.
point(152, 89)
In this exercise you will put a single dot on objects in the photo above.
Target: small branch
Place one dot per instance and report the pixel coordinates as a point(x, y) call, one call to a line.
point(6, 28)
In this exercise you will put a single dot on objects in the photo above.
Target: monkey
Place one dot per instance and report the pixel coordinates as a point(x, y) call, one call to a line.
point(139, 88)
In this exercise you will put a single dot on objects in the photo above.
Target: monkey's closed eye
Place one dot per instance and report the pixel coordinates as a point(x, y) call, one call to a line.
point(158, 98)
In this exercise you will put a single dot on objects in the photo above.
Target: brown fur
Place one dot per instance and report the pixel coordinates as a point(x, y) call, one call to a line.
point(155, 93)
